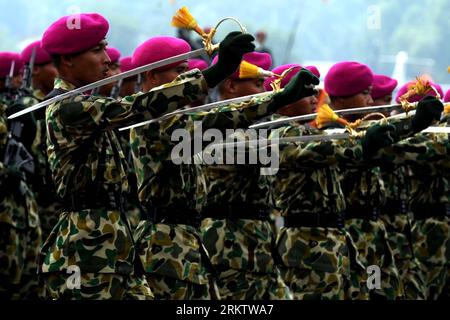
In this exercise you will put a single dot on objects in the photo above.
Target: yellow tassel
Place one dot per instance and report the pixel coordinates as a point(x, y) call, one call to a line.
point(183, 19)
point(326, 115)
point(447, 109)
point(248, 70)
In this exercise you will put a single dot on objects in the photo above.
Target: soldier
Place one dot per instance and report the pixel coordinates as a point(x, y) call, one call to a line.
point(395, 212)
point(236, 203)
point(6, 59)
point(197, 64)
point(89, 169)
point(128, 86)
point(382, 89)
point(114, 68)
point(21, 232)
point(42, 78)
point(170, 246)
point(349, 85)
point(428, 199)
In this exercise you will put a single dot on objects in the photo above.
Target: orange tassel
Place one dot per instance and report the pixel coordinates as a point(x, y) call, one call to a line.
point(326, 115)
point(447, 109)
point(185, 20)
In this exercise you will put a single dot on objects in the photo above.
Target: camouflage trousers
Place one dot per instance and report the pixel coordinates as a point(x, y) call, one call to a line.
point(19, 250)
point(355, 285)
point(241, 252)
point(100, 286)
point(371, 240)
point(431, 238)
point(175, 261)
point(399, 232)
point(314, 262)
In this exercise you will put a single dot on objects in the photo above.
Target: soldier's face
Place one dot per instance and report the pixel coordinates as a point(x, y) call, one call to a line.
point(382, 101)
point(44, 76)
point(241, 88)
point(113, 70)
point(362, 99)
point(167, 76)
point(16, 81)
point(302, 107)
point(92, 65)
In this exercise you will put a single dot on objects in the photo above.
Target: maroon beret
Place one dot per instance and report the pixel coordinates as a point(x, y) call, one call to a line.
point(383, 86)
point(348, 79)
point(113, 54)
point(42, 56)
point(75, 33)
point(6, 59)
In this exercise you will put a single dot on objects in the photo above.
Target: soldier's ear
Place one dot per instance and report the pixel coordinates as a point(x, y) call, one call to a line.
point(229, 86)
point(66, 61)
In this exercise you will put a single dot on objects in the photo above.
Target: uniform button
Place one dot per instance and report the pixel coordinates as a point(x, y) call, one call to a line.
point(314, 243)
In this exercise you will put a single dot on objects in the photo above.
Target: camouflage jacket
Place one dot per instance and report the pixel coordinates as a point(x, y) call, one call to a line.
point(309, 179)
point(85, 157)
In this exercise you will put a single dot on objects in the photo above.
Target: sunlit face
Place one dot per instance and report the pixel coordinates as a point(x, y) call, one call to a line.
point(92, 65)
point(113, 69)
point(241, 88)
point(362, 100)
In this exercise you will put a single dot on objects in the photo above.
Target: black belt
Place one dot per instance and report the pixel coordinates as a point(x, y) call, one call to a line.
point(236, 212)
point(315, 220)
point(174, 216)
point(362, 212)
point(101, 200)
point(425, 211)
point(394, 207)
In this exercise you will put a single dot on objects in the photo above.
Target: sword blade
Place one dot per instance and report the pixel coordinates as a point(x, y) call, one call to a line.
point(109, 80)
point(205, 107)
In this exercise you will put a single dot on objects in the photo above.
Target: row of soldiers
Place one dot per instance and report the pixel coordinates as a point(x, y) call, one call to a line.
point(139, 226)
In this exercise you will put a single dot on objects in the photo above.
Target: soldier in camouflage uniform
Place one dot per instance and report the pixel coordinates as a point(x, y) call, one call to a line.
point(21, 232)
point(170, 247)
point(349, 85)
point(395, 212)
point(89, 168)
point(236, 203)
point(43, 76)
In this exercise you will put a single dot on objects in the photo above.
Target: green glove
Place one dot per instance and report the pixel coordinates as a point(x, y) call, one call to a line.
point(231, 50)
point(301, 86)
point(429, 110)
point(377, 137)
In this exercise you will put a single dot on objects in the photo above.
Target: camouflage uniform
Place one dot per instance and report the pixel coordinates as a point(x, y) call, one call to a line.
point(315, 253)
point(89, 172)
point(20, 233)
point(236, 231)
point(396, 216)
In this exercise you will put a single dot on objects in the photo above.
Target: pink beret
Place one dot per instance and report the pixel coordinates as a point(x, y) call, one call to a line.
point(126, 64)
point(197, 64)
point(262, 60)
point(383, 86)
point(113, 54)
point(6, 59)
point(415, 98)
point(447, 96)
point(42, 56)
point(75, 33)
point(313, 70)
point(160, 48)
point(279, 70)
point(347, 79)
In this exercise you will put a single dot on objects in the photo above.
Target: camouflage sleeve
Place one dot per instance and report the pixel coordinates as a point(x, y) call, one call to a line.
point(91, 111)
point(320, 153)
point(417, 150)
point(235, 116)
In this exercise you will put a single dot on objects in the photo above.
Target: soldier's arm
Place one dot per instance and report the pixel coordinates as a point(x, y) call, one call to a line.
point(183, 90)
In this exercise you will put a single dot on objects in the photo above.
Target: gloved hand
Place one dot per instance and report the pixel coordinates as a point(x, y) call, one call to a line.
point(301, 86)
point(429, 109)
point(377, 137)
point(231, 50)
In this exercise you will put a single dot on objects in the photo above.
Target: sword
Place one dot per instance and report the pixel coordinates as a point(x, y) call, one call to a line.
point(314, 115)
point(437, 130)
point(109, 80)
point(205, 107)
